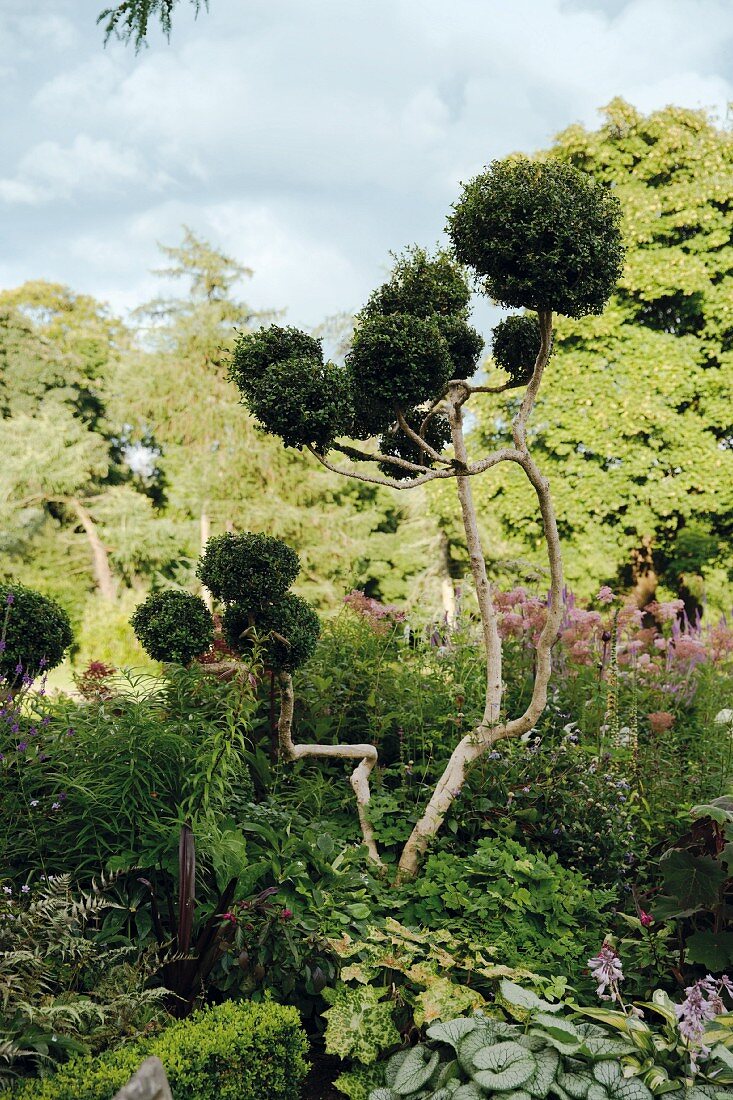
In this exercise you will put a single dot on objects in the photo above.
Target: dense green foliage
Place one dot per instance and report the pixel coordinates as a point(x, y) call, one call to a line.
point(251, 569)
point(514, 347)
point(173, 626)
point(34, 630)
point(288, 629)
point(633, 424)
point(227, 1052)
point(540, 235)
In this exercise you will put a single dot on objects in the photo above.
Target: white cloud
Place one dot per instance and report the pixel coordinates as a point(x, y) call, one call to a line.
point(310, 139)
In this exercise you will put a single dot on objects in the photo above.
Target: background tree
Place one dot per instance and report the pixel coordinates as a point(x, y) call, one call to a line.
point(636, 431)
point(540, 236)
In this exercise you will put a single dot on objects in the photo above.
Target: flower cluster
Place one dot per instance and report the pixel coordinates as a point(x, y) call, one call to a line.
point(378, 615)
point(703, 1002)
point(607, 971)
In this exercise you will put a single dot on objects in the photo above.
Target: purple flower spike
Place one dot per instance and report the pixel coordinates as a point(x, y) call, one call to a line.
point(22, 746)
point(10, 599)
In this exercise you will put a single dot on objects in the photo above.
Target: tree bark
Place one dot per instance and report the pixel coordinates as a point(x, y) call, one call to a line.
point(103, 577)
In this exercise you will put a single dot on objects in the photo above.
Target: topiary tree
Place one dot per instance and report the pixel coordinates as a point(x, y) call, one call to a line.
point(35, 632)
point(542, 236)
point(173, 626)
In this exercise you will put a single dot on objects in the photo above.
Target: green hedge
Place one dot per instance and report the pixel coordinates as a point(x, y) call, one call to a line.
point(233, 1051)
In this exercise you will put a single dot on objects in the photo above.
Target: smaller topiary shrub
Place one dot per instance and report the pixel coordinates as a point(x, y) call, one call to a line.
point(232, 1051)
point(516, 343)
point(288, 631)
point(35, 631)
point(250, 569)
point(173, 626)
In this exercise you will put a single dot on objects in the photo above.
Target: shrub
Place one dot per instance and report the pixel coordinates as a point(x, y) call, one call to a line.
point(421, 285)
point(305, 402)
point(232, 1051)
point(35, 631)
point(173, 626)
point(250, 569)
point(396, 359)
point(288, 631)
point(542, 236)
point(515, 347)
point(256, 352)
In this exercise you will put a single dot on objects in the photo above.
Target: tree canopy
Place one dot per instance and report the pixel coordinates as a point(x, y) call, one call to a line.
point(635, 426)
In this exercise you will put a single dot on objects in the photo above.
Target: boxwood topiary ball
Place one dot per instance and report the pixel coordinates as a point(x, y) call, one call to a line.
point(421, 285)
point(397, 359)
point(36, 631)
point(173, 626)
point(464, 343)
point(255, 352)
point(516, 342)
point(288, 630)
point(542, 235)
point(250, 569)
point(304, 402)
point(395, 442)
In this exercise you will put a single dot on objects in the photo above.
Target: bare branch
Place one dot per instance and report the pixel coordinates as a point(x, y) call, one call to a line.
point(363, 456)
point(366, 754)
point(417, 439)
point(519, 427)
point(391, 483)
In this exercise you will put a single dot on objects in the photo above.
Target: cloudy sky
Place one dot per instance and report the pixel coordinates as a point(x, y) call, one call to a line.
point(306, 137)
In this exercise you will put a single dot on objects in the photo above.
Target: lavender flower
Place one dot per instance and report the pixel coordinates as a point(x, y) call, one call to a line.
point(606, 969)
point(25, 889)
point(703, 1002)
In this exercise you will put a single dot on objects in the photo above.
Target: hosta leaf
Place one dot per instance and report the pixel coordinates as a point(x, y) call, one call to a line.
point(559, 1031)
point(416, 1070)
point(597, 1043)
point(452, 1031)
point(723, 1055)
point(503, 1067)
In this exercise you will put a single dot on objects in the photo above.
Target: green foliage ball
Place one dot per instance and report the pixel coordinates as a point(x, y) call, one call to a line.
point(304, 401)
point(421, 285)
point(256, 352)
point(36, 631)
point(395, 360)
point(544, 236)
point(464, 343)
point(292, 618)
point(396, 442)
point(516, 342)
point(173, 626)
point(250, 569)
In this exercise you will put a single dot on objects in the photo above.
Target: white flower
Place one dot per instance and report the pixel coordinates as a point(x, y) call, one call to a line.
point(724, 718)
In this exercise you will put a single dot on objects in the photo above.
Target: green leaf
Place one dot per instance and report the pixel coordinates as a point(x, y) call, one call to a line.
point(393, 1066)
point(452, 1031)
point(503, 1067)
point(713, 950)
point(416, 1071)
point(717, 813)
point(693, 882)
point(468, 1092)
point(559, 1031)
point(382, 1094)
point(597, 1043)
point(617, 1087)
point(575, 1082)
point(522, 1002)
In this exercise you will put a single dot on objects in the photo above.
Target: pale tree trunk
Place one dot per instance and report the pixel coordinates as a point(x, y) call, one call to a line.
point(366, 754)
point(205, 535)
point(493, 727)
point(103, 577)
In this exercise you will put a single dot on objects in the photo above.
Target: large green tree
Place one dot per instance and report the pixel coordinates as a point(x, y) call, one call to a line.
point(636, 429)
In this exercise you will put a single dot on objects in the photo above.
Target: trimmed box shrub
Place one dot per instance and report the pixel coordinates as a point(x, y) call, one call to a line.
point(233, 1051)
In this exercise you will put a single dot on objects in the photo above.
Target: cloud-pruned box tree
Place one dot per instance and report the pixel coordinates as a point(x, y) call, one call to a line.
point(540, 236)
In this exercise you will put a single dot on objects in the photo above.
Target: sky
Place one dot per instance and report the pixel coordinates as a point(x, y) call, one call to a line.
point(306, 138)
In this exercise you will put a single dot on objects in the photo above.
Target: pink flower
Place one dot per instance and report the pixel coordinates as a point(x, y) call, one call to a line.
point(646, 918)
point(605, 594)
point(286, 914)
point(660, 721)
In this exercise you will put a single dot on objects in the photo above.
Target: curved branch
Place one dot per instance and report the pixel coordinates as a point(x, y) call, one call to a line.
point(417, 439)
point(365, 754)
point(364, 456)
point(372, 479)
point(519, 427)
